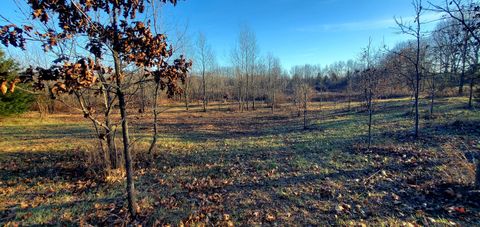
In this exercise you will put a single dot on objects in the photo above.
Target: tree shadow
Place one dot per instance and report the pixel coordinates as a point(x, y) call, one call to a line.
point(405, 175)
point(48, 165)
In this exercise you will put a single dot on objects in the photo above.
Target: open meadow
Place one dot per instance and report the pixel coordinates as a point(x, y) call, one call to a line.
point(228, 168)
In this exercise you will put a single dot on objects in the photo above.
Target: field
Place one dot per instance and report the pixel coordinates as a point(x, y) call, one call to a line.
point(252, 168)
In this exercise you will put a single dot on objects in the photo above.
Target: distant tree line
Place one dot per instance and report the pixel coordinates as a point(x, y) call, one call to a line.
point(447, 66)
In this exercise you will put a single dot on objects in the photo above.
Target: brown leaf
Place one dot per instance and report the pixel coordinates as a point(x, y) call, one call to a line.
point(460, 210)
point(24, 205)
point(270, 217)
point(37, 13)
point(12, 85)
point(3, 87)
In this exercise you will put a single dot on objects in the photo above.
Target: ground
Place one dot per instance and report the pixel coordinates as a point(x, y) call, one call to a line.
point(253, 168)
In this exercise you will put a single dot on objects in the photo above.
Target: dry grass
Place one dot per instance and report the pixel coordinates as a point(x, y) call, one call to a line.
point(251, 168)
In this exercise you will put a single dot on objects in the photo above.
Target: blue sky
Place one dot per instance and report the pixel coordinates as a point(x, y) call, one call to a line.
point(298, 32)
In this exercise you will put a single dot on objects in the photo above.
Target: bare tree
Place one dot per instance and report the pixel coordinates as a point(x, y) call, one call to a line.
point(274, 69)
point(205, 57)
point(302, 90)
point(245, 56)
point(370, 79)
point(466, 12)
point(473, 76)
point(416, 32)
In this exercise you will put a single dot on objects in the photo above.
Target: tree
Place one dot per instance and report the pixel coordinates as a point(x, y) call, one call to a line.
point(415, 31)
point(12, 100)
point(441, 59)
point(274, 71)
point(302, 90)
point(205, 58)
point(473, 76)
point(122, 39)
point(465, 12)
point(295, 85)
point(244, 56)
point(444, 51)
point(349, 77)
point(437, 65)
point(369, 80)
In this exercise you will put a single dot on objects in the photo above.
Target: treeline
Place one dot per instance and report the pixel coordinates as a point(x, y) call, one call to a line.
point(447, 66)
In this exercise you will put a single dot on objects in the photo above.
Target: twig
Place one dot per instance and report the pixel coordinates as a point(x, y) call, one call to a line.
point(371, 176)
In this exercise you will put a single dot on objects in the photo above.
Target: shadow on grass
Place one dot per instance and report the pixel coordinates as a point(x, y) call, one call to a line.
point(48, 132)
point(48, 165)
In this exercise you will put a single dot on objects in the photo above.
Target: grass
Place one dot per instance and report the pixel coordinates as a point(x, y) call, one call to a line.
point(251, 168)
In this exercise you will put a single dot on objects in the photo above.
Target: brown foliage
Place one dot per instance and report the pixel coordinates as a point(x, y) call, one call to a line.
point(5, 87)
point(132, 40)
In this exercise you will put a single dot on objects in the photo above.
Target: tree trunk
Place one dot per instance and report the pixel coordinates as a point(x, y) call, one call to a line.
point(417, 88)
point(246, 91)
point(253, 99)
point(240, 104)
point(112, 148)
point(305, 110)
point(132, 203)
point(155, 119)
point(142, 96)
point(103, 155)
point(470, 97)
point(273, 99)
point(370, 113)
point(204, 90)
point(109, 131)
point(253, 93)
point(472, 79)
point(349, 93)
point(464, 60)
point(417, 77)
point(432, 102)
point(186, 96)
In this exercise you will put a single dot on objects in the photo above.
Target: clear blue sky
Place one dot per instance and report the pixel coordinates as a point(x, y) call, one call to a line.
point(299, 32)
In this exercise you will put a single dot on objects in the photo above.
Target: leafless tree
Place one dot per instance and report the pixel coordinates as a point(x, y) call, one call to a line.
point(465, 12)
point(274, 71)
point(416, 32)
point(370, 77)
point(205, 57)
point(245, 56)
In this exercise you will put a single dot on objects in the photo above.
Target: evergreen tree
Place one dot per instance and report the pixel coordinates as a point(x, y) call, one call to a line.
point(12, 101)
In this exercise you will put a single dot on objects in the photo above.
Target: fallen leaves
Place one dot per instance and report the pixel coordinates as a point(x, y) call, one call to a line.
point(270, 217)
point(456, 209)
point(460, 210)
point(251, 181)
point(24, 205)
point(342, 207)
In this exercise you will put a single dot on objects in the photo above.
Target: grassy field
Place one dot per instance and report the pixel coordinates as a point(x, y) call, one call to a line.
point(251, 168)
